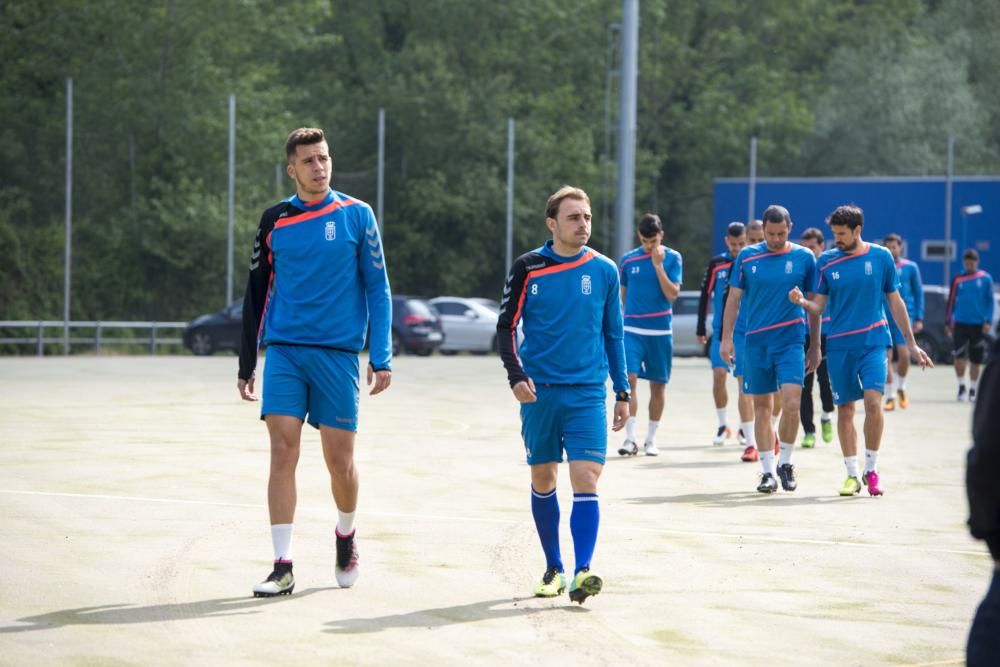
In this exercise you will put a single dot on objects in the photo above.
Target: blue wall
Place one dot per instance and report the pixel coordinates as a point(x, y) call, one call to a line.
point(911, 207)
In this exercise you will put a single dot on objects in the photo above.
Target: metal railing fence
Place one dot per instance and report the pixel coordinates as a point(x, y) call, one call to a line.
point(98, 337)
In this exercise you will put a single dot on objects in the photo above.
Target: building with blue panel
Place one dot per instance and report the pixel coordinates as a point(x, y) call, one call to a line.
point(912, 207)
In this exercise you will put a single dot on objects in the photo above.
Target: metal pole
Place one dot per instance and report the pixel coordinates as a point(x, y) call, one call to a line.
point(69, 213)
point(610, 72)
point(947, 212)
point(752, 182)
point(510, 194)
point(627, 124)
point(230, 199)
point(380, 187)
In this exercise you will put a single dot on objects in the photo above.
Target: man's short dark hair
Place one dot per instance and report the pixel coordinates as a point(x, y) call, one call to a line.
point(970, 253)
point(304, 136)
point(736, 229)
point(775, 213)
point(849, 214)
point(755, 225)
point(893, 237)
point(650, 225)
point(813, 234)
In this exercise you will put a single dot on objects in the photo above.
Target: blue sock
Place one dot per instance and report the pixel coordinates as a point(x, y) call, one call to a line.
point(545, 509)
point(583, 522)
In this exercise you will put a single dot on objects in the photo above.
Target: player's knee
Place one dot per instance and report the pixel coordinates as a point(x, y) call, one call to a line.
point(845, 412)
point(873, 404)
point(284, 454)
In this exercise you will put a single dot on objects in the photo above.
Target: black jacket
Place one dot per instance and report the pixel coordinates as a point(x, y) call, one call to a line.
point(982, 477)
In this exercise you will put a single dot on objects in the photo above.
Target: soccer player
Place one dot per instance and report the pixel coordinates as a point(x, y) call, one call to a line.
point(317, 274)
point(713, 291)
point(650, 280)
point(813, 239)
point(911, 290)
point(775, 356)
point(968, 320)
point(567, 296)
point(857, 278)
point(755, 234)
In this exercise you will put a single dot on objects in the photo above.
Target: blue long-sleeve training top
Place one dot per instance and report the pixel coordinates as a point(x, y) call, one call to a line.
point(713, 291)
point(317, 274)
point(971, 299)
point(572, 320)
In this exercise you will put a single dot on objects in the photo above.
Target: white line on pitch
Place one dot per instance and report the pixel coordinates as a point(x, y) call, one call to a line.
point(662, 531)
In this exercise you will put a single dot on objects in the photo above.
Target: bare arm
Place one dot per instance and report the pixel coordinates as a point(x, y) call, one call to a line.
point(902, 319)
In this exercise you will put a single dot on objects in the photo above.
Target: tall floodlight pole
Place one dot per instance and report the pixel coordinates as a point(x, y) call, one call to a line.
point(752, 181)
point(626, 125)
point(510, 194)
point(947, 211)
point(230, 199)
point(380, 188)
point(67, 259)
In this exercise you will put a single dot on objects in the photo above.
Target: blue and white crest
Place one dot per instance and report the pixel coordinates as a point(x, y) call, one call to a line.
point(868, 268)
point(788, 266)
point(331, 230)
point(585, 285)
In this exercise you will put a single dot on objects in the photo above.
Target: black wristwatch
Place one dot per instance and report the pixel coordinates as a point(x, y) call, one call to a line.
point(622, 396)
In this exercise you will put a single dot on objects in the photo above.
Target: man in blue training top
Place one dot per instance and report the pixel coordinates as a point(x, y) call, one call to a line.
point(650, 280)
point(911, 290)
point(968, 319)
point(567, 296)
point(858, 278)
point(776, 329)
point(713, 292)
point(317, 274)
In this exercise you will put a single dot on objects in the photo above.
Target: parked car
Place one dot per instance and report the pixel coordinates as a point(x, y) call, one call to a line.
point(468, 324)
point(685, 325)
point(215, 331)
point(933, 339)
point(416, 327)
point(492, 304)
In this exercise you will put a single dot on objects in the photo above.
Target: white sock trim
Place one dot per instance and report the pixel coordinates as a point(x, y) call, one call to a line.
point(651, 430)
point(281, 540)
point(345, 522)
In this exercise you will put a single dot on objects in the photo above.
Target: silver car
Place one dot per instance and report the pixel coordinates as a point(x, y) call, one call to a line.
point(685, 325)
point(468, 324)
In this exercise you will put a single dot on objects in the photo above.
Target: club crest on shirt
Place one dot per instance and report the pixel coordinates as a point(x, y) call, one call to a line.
point(868, 268)
point(585, 285)
point(331, 230)
point(788, 266)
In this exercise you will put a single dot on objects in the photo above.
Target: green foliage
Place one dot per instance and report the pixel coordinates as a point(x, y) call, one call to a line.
point(827, 86)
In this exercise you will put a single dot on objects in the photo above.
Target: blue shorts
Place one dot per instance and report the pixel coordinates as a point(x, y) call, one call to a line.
point(316, 384)
point(766, 368)
point(739, 353)
point(713, 354)
point(854, 371)
point(570, 417)
point(896, 333)
point(649, 357)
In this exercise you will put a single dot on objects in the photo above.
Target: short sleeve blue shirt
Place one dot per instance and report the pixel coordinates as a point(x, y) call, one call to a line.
point(856, 285)
point(766, 277)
